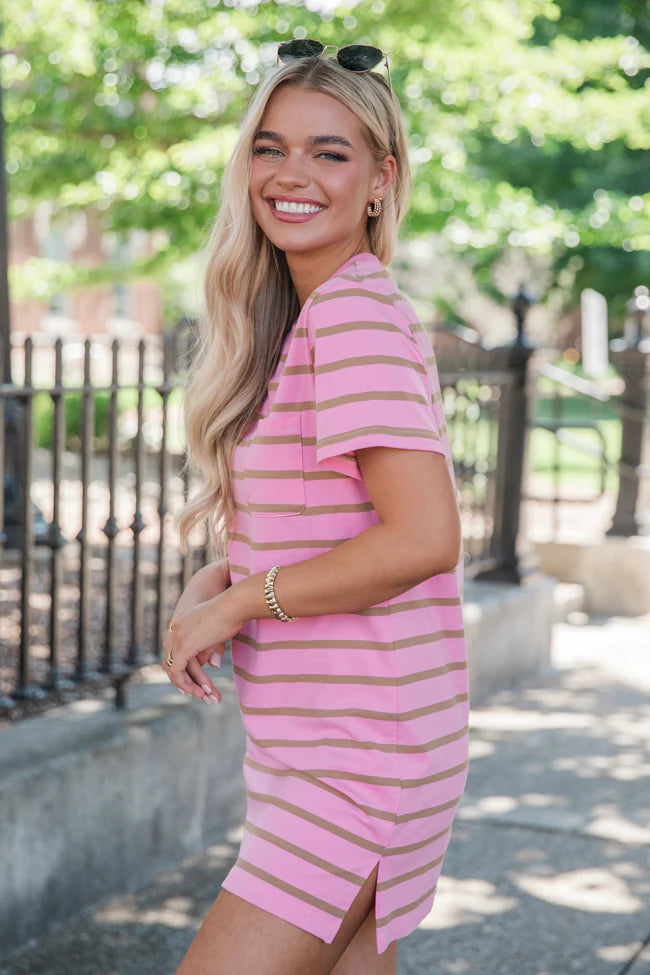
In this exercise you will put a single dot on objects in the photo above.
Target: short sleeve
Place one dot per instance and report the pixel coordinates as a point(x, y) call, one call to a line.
point(372, 384)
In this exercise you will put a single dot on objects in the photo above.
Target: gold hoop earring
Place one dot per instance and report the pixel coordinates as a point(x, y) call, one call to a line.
point(374, 208)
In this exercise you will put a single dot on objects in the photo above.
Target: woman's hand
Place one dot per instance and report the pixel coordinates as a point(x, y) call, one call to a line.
point(199, 634)
point(207, 582)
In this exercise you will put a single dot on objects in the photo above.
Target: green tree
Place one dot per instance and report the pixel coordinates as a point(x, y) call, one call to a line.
point(529, 122)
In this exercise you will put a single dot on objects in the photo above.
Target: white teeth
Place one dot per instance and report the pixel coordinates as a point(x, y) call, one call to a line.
point(285, 206)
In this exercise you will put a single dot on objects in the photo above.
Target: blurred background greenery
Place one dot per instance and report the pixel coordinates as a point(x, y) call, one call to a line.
point(529, 128)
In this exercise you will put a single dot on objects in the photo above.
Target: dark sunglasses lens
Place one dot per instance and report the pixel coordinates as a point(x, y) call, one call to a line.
point(359, 57)
point(306, 48)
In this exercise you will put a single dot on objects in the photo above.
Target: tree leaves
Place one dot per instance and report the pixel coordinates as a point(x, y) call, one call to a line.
point(529, 120)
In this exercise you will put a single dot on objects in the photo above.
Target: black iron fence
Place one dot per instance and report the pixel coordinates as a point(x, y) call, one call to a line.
point(90, 567)
point(597, 476)
point(89, 563)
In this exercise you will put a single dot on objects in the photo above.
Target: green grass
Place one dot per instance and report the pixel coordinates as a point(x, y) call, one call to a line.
point(577, 468)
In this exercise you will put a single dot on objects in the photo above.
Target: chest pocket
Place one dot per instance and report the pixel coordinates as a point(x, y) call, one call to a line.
point(274, 478)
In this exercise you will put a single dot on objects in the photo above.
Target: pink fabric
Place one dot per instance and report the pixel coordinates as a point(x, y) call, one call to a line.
point(356, 723)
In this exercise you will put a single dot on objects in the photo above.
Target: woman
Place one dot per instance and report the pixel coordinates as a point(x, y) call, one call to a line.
point(315, 417)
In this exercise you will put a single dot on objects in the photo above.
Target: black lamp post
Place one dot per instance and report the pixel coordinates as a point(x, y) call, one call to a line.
point(520, 303)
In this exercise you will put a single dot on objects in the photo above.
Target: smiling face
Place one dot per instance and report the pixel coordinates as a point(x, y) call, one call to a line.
point(313, 175)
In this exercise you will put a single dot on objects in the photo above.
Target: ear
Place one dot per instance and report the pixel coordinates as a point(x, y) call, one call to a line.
point(385, 176)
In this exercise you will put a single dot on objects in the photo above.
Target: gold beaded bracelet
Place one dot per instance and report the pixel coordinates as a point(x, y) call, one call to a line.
point(269, 595)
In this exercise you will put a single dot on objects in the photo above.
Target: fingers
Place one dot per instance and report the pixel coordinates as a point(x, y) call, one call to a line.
point(210, 693)
point(182, 680)
point(212, 655)
point(188, 676)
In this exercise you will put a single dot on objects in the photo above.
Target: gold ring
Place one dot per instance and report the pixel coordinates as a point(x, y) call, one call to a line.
point(170, 657)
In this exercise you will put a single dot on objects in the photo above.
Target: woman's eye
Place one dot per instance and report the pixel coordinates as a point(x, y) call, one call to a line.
point(266, 150)
point(333, 155)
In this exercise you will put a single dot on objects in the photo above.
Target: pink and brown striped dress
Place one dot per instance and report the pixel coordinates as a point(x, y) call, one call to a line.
point(356, 723)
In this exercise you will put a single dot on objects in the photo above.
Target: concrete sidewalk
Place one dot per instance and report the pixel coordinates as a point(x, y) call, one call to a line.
point(548, 870)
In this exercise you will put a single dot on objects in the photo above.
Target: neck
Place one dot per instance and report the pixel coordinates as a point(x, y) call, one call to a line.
point(310, 270)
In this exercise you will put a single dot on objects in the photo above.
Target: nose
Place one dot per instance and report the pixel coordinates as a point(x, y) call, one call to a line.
point(292, 171)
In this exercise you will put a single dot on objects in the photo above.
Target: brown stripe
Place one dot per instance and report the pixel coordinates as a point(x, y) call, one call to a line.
point(289, 888)
point(301, 331)
point(325, 509)
point(383, 814)
point(381, 921)
point(357, 712)
point(390, 747)
point(349, 678)
point(296, 370)
point(390, 431)
point(358, 326)
point(320, 510)
point(276, 546)
point(319, 821)
point(297, 543)
point(404, 783)
point(386, 884)
point(241, 569)
point(431, 811)
point(410, 604)
point(420, 675)
point(338, 794)
point(323, 475)
point(282, 438)
point(319, 298)
point(353, 878)
point(298, 407)
point(410, 641)
point(273, 475)
point(412, 847)
point(329, 404)
point(323, 773)
point(417, 327)
point(370, 360)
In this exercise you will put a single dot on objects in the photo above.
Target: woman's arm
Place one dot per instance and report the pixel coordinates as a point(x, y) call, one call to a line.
point(206, 582)
point(418, 535)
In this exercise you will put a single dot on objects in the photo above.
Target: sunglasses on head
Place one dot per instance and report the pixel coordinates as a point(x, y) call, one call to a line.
point(354, 57)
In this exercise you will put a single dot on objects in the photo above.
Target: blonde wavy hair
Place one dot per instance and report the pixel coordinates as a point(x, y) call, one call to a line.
point(251, 302)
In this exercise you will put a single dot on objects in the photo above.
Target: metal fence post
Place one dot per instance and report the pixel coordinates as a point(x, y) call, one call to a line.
point(513, 423)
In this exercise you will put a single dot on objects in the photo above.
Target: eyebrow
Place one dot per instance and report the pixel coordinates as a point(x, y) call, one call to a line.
point(313, 140)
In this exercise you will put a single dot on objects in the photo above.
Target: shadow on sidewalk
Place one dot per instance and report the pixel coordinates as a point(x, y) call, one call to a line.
point(548, 869)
